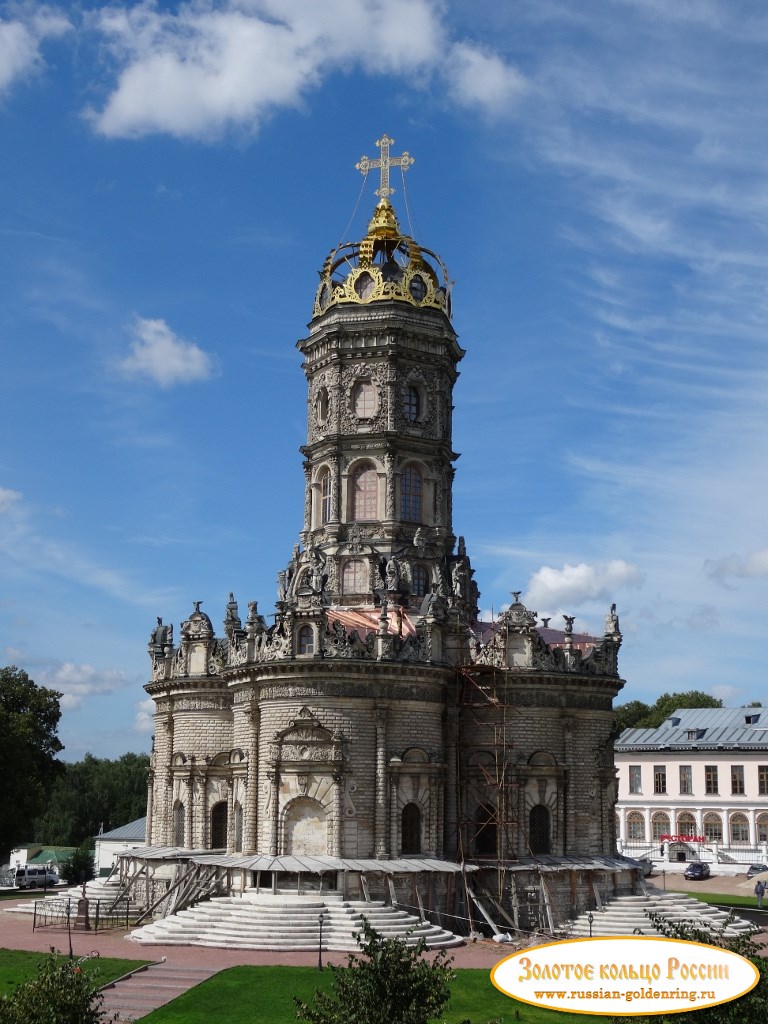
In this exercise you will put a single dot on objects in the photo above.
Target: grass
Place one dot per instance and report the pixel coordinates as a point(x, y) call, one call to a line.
point(718, 899)
point(263, 995)
point(17, 966)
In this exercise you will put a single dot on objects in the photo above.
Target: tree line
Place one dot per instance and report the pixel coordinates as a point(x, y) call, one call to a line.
point(47, 800)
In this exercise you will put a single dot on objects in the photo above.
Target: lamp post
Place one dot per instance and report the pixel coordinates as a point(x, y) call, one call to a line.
point(590, 918)
point(321, 919)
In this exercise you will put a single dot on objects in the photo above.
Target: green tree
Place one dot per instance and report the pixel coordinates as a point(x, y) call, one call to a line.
point(390, 983)
point(63, 992)
point(92, 794)
point(79, 867)
point(636, 715)
point(751, 1008)
point(29, 719)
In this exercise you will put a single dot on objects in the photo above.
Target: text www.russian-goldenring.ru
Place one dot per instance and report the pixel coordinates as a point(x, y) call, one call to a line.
point(687, 995)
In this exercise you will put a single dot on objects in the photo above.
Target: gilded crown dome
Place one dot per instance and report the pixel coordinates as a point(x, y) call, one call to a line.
point(387, 264)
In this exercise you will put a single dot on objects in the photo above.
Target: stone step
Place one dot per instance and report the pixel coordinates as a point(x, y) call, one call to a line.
point(249, 923)
point(136, 996)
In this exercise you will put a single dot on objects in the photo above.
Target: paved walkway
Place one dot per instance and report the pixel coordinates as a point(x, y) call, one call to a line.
point(184, 966)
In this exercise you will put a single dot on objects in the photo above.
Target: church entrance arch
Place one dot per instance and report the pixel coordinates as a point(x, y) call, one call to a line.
point(219, 826)
point(539, 829)
point(411, 829)
point(305, 832)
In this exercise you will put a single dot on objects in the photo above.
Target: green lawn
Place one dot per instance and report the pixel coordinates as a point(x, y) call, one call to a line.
point(18, 965)
point(263, 995)
point(718, 899)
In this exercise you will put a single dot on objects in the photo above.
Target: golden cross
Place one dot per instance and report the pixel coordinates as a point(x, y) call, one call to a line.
point(385, 161)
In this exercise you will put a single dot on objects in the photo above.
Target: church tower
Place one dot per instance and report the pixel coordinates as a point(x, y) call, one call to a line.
point(378, 717)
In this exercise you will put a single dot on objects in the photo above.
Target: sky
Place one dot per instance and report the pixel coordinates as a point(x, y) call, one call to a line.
point(173, 176)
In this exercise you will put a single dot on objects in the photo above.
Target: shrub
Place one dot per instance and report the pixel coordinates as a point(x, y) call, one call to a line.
point(62, 993)
point(389, 983)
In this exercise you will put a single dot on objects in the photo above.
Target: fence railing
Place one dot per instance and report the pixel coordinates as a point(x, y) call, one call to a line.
point(81, 915)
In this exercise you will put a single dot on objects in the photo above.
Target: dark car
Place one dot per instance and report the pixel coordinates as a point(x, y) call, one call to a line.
point(697, 871)
point(756, 869)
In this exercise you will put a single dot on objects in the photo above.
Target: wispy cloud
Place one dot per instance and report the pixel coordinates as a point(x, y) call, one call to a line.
point(159, 355)
point(143, 721)
point(24, 544)
point(752, 564)
point(209, 67)
point(78, 683)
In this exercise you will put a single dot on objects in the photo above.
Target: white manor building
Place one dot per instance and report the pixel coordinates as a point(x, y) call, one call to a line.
point(697, 786)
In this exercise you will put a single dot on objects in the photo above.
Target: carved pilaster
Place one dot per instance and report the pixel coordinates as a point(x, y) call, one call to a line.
point(381, 831)
point(389, 501)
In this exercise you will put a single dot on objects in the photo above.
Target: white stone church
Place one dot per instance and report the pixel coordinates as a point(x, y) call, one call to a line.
point(378, 719)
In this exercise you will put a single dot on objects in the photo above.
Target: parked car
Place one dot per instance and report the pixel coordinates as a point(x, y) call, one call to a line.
point(756, 869)
point(31, 877)
point(696, 871)
point(647, 865)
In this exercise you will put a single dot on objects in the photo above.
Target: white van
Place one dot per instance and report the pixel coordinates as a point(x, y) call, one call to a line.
point(33, 877)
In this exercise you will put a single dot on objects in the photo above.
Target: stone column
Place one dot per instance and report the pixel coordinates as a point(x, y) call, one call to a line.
point(382, 845)
point(189, 801)
point(251, 799)
point(338, 782)
point(150, 807)
point(230, 815)
point(274, 780)
point(335, 489)
point(205, 823)
point(394, 843)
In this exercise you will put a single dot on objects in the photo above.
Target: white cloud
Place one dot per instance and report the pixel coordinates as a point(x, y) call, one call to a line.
point(164, 357)
point(482, 80)
point(20, 43)
point(8, 499)
point(574, 584)
point(144, 722)
point(753, 564)
point(77, 683)
point(212, 66)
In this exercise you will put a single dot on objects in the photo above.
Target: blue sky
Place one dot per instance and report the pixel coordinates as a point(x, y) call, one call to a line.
point(173, 175)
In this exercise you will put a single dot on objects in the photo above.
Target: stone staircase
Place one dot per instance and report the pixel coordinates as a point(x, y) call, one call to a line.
point(283, 921)
point(146, 989)
point(627, 915)
point(101, 890)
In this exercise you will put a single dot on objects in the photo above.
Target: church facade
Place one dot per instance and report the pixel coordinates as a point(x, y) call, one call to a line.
point(378, 717)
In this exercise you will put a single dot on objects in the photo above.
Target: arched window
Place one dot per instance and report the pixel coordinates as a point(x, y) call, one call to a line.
point(420, 581)
point(487, 832)
point(321, 406)
point(354, 579)
point(306, 640)
point(238, 827)
point(686, 824)
point(365, 494)
point(538, 830)
point(219, 826)
point(713, 828)
point(364, 400)
point(325, 497)
point(411, 404)
point(660, 825)
point(410, 504)
point(411, 829)
point(739, 828)
point(636, 826)
point(179, 821)
point(762, 828)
